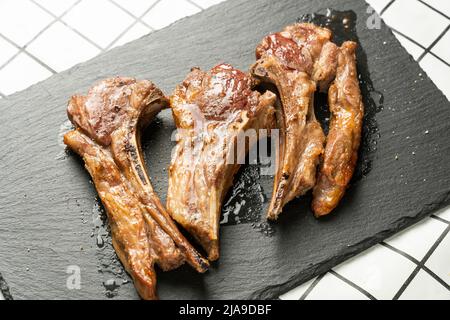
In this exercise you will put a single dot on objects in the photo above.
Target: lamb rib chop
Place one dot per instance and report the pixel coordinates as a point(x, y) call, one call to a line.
point(341, 152)
point(108, 122)
point(211, 110)
point(296, 61)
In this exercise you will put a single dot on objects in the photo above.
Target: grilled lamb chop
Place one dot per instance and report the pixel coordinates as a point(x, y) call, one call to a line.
point(341, 151)
point(297, 61)
point(211, 109)
point(108, 122)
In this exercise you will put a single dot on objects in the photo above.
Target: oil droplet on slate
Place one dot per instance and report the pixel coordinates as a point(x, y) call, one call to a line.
point(63, 129)
point(100, 242)
point(343, 26)
point(100, 224)
point(264, 227)
point(111, 287)
point(246, 198)
point(109, 265)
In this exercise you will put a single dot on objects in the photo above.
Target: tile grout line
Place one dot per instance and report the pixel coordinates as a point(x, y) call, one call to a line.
point(22, 50)
point(195, 4)
point(422, 263)
point(417, 262)
point(428, 50)
point(353, 285)
point(400, 252)
point(59, 19)
point(421, 46)
point(386, 7)
point(137, 19)
point(436, 277)
point(439, 219)
point(434, 9)
point(408, 37)
point(439, 58)
point(311, 287)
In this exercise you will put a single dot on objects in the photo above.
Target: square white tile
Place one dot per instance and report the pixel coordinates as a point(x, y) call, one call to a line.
point(135, 7)
point(439, 262)
point(444, 214)
point(21, 20)
point(21, 73)
point(378, 5)
point(379, 270)
point(57, 7)
point(100, 21)
point(332, 288)
point(71, 48)
point(412, 48)
point(166, 12)
point(207, 3)
point(7, 50)
point(441, 5)
point(442, 48)
point(405, 16)
point(438, 72)
point(425, 287)
point(297, 293)
point(137, 31)
point(418, 239)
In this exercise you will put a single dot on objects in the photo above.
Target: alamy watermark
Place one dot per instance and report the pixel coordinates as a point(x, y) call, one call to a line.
point(73, 281)
point(224, 146)
point(374, 20)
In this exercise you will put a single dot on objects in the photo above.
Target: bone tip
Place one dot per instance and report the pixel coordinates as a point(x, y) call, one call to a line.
point(350, 46)
point(273, 215)
point(146, 287)
point(202, 265)
point(213, 253)
point(320, 210)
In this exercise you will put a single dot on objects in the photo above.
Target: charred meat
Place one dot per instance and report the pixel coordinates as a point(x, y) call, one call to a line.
point(296, 60)
point(108, 122)
point(341, 151)
point(299, 61)
point(212, 110)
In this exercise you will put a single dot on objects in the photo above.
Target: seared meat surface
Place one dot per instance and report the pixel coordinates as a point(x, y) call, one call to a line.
point(211, 110)
point(295, 60)
point(341, 152)
point(298, 61)
point(108, 121)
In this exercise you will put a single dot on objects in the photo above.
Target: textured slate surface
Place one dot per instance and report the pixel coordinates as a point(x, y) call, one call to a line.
point(47, 204)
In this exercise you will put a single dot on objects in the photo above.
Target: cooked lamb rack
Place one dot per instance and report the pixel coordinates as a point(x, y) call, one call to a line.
point(211, 109)
point(298, 61)
point(108, 123)
point(341, 151)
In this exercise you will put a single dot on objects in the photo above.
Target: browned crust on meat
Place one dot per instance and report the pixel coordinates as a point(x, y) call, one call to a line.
point(341, 151)
point(108, 121)
point(211, 109)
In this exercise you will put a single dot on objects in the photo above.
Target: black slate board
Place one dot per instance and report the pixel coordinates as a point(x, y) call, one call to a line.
point(47, 204)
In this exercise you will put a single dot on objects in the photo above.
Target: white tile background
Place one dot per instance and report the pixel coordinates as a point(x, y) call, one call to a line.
point(39, 38)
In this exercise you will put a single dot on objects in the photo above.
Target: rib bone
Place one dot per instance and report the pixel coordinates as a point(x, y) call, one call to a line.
point(109, 120)
point(211, 110)
point(296, 61)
